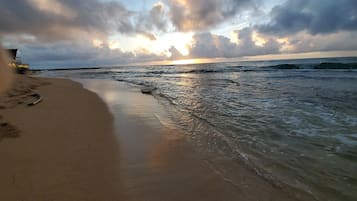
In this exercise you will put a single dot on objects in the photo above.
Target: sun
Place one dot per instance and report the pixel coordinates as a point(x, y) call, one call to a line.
point(186, 61)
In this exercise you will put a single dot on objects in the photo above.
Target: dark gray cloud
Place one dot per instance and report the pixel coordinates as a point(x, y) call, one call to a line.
point(175, 54)
point(60, 33)
point(315, 17)
point(53, 20)
point(78, 54)
point(68, 20)
point(202, 14)
point(207, 45)
point(156, 19)
point(341, 41)
point(248, 47)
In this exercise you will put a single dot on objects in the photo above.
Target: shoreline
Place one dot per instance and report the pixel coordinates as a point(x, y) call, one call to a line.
point(100, 140)
point(159, 162)
point(66, 149)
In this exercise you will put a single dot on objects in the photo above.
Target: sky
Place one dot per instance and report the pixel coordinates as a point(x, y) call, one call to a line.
point(86, 33)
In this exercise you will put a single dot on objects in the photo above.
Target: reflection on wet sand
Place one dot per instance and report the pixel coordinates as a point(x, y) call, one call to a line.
point(158, 163)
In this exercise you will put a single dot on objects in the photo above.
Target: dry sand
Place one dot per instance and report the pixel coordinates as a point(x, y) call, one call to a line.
point(60, 149)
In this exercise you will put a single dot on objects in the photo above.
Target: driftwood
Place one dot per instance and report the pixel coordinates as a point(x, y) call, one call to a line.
point(148, 90)
point(38, 98)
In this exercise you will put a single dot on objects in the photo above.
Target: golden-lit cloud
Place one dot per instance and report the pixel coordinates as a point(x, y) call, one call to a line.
point(53, 7)
point(97, 43)
point(161, 46)
point(114, 45)
point(234, 37)
point(181, 41)
point(111, 44)
point(258, 40)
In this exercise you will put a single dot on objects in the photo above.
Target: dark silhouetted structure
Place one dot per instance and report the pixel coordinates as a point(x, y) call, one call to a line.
point(12, 53)
point(16, 63)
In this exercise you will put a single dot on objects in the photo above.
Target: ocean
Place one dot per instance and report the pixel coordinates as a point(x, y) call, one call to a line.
point(294, 122)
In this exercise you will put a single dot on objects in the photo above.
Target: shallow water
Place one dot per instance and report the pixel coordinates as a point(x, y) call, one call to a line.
point(294, 124)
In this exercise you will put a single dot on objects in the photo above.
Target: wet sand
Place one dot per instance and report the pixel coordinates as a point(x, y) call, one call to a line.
point(159, 163)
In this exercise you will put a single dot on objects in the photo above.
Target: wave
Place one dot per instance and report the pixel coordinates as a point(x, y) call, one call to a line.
point(210, 139)
point(212, 70)
point(233, 69)
point(139, 83)
point(162, 71)
point(319, 66)
point(336, 66)
point(285, 66)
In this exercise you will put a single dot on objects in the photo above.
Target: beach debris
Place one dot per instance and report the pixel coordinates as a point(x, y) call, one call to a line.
point(147, 90)
point(37, 99)
point(22, 92)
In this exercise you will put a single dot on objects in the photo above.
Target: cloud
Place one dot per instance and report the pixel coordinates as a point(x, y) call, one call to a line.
point(42, 19)
point(53, 7)
point(314, 17)
point(207, 45)
point(156, 18)
point(189, 15)
point(80, 54)
point(64, 33)
point(175, 54)
point(61, 32)
point(305, 42)
point(54, 20)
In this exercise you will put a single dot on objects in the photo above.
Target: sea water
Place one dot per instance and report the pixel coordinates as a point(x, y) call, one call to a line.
point(294, 122)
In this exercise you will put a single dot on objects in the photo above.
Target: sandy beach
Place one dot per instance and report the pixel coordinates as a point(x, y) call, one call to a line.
point(178, 100)
point(117, 145)
point(60, 149)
